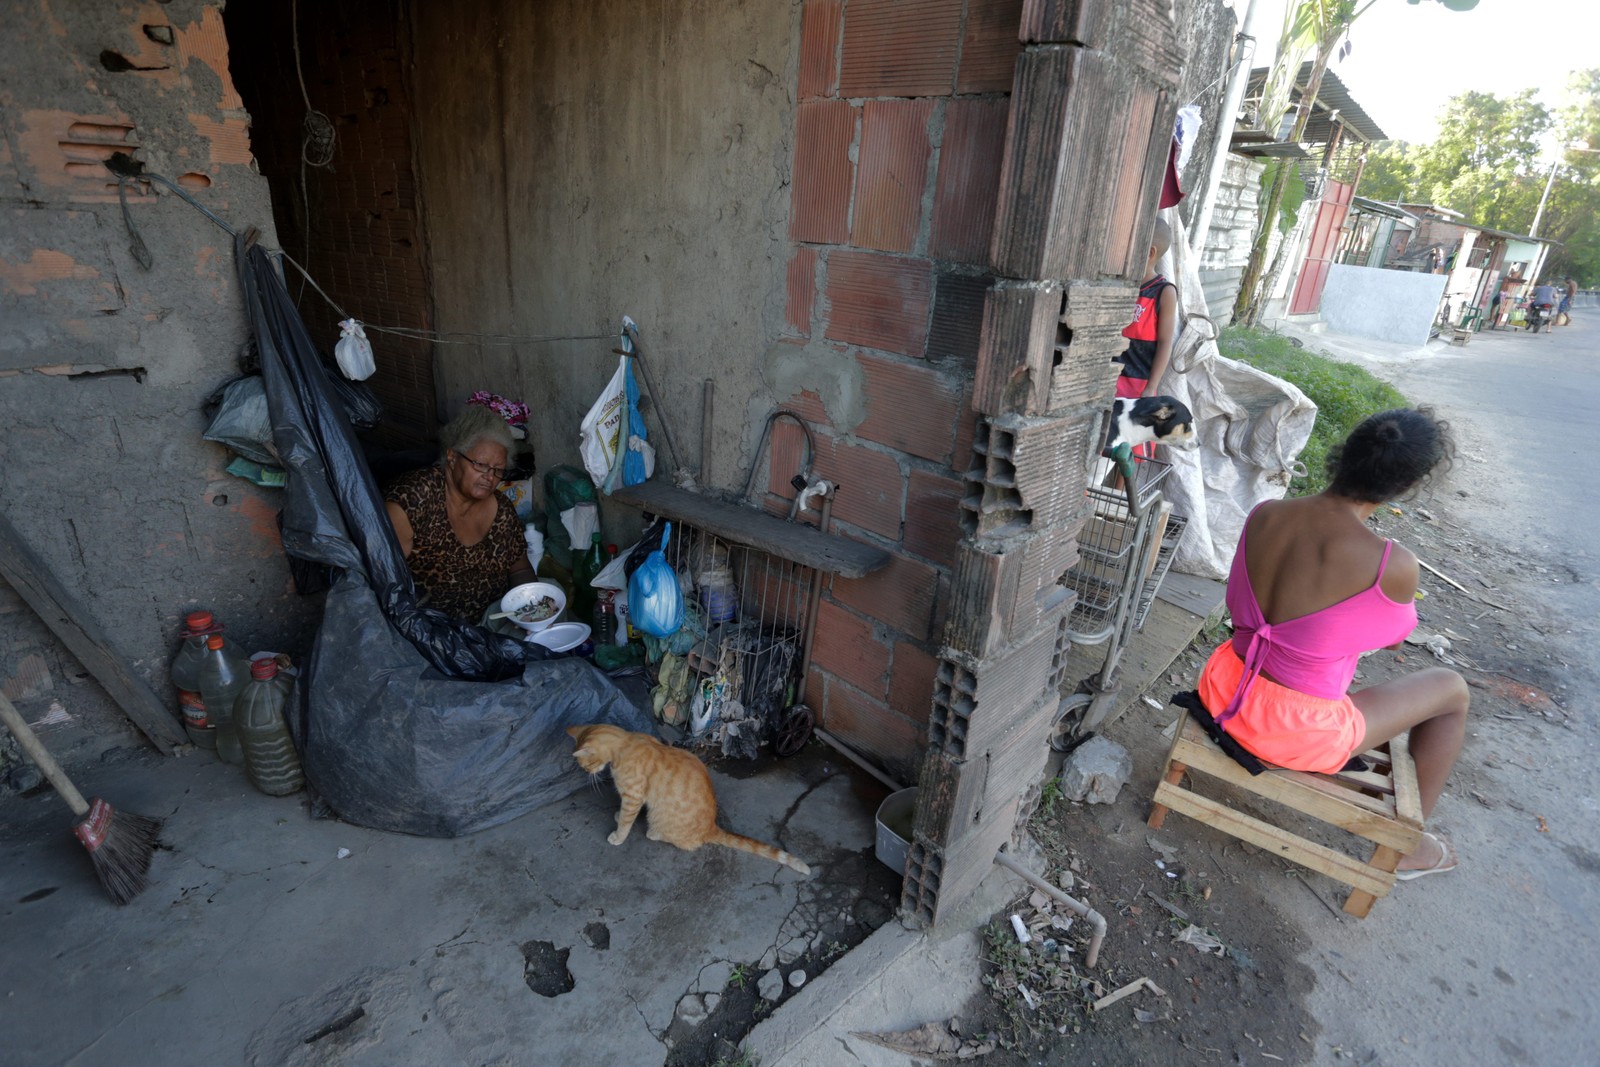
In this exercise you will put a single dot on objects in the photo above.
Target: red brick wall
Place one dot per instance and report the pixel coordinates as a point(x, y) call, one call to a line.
point(898, 142)
point(366, 246)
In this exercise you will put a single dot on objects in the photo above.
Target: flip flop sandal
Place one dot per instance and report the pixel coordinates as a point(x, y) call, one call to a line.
point(1447, 861)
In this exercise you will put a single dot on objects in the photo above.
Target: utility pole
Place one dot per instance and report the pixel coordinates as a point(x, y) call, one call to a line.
point(1533, 231)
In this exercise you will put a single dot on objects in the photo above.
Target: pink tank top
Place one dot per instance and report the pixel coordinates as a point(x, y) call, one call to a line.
point(1315, 654)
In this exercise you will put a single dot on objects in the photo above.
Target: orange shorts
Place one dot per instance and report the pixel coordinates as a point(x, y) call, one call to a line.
point(1281, 725)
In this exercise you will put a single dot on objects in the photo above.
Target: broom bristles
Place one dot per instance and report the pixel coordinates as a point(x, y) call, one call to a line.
point(123, 849)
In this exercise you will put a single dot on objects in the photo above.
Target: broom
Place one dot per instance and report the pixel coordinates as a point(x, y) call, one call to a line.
point(120, 845)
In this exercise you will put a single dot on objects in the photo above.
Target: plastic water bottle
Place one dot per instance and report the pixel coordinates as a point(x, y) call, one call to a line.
point(605, 618)
point(185, 670)
point(269, 753)
point(717, 593)
point(223, 674)
point(624, 632)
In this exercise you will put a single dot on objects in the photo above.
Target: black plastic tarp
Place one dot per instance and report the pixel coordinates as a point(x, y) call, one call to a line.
point(409, 720)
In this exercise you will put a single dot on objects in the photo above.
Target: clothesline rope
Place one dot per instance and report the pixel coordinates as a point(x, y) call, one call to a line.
point(452, 337)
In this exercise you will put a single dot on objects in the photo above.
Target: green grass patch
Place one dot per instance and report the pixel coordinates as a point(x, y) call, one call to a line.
point(1343, 392)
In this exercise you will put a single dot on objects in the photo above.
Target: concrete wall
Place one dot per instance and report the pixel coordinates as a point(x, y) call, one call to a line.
point(1205, 34)
point(103, 364)
point(1227, 250)
point(579, 161)
point(1385, 305)
point(782, 213)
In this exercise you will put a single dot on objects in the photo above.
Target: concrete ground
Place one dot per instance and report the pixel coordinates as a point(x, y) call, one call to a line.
point(257, 943)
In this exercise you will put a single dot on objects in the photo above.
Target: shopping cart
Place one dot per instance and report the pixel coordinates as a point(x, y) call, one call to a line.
point(1124, 552)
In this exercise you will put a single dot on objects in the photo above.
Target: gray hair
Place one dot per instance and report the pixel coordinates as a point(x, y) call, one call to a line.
point(475, 424)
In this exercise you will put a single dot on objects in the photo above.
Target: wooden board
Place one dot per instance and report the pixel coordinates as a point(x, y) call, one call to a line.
point(71, 623)
point(1315, 797)
point(741, 525)
point(1279, 842)
point(1199, 595)
point(1407, 800)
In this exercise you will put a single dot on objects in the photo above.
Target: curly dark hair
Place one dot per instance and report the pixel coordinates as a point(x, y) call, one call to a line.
point(1389, 455)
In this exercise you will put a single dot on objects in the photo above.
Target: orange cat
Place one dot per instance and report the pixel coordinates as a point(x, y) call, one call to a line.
point(672, 782)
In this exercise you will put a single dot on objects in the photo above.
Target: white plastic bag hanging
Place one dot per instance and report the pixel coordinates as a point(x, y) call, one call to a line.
point(354, 351)
point(600, 432)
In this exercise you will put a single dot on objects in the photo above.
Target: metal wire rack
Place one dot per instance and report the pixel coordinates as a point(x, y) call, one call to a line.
point(748, 610)
point(1165, 550)
point(1110, 553)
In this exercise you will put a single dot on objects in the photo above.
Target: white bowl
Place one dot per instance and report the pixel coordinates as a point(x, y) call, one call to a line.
point(522, 595)
point(562, 637)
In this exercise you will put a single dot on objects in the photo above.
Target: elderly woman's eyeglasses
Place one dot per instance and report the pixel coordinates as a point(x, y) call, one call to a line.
point(497, 473)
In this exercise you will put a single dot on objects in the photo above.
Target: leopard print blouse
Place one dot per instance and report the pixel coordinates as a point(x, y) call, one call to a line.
point(459, 580)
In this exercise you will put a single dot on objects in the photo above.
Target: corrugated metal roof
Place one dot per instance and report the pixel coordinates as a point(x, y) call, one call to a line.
point(1378, 207)
point(1331, 97)
point(1281, 149)
point(1516, 236)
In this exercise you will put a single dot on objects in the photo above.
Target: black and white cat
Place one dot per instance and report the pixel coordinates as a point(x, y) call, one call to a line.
point(1162, 420)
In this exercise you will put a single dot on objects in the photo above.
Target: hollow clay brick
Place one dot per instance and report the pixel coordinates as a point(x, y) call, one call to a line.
point(911, 681)
point(891, 174)
point(819, 48)
point(878, 301)
point(968, 184)
point(907, 595)
point(823, 173)
point(989, 46)
point(900, 47)
point(910, 407)
point(846, 647)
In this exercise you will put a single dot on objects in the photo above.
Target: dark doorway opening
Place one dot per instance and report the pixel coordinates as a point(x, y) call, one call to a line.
point(344, 191)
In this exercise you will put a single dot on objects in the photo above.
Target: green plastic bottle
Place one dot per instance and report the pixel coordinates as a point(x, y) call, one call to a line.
point(269, 753)
point(223, 674)
point(584, 570)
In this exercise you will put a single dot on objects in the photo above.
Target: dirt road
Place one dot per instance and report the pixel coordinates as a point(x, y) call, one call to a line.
point(1492, 964)
point(1496, 963)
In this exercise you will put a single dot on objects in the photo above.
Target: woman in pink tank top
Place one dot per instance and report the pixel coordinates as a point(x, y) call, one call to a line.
point(1312, 588)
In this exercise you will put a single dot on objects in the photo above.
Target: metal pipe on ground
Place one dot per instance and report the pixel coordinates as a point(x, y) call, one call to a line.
point(1096, 920)
point(848, 753)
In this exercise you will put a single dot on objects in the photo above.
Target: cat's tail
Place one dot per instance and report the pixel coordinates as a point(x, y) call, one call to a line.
point(759, 848)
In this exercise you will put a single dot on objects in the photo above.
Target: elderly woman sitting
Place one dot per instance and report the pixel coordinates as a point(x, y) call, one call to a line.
point(459, 534)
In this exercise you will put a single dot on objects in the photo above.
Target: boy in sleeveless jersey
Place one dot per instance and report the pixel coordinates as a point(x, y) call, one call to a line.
point(1154, 326)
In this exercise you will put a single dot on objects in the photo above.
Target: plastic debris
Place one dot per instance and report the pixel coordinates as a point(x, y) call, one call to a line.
point(938, 1041)
point(1201, 938)
point(1023, 937)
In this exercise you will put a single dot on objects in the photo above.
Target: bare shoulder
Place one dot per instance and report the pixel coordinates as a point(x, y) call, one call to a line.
point(1400, 577)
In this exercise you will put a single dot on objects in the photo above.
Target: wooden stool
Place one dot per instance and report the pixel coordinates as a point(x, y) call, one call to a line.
point(1381, 805)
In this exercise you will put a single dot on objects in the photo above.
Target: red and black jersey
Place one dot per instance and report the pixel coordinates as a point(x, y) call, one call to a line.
point(1140, 354)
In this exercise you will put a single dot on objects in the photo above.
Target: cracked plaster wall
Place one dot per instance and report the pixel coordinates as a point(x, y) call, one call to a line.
point(579, 161)
point(105, 474)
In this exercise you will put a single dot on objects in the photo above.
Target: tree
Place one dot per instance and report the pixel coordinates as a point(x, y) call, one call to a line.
point(1572, 215)
point(1315, 25)
point(1390, 173)
point(1485, 147)
point(1310, 27)
point(1488, 163)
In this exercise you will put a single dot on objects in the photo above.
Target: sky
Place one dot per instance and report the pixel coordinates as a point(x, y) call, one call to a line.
point(1409, 60)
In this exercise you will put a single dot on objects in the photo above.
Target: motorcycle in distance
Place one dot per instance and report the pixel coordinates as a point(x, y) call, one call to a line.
point(1538, 315)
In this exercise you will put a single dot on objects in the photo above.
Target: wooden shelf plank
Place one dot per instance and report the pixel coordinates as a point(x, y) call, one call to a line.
point(757, 529)
point(25, 572)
